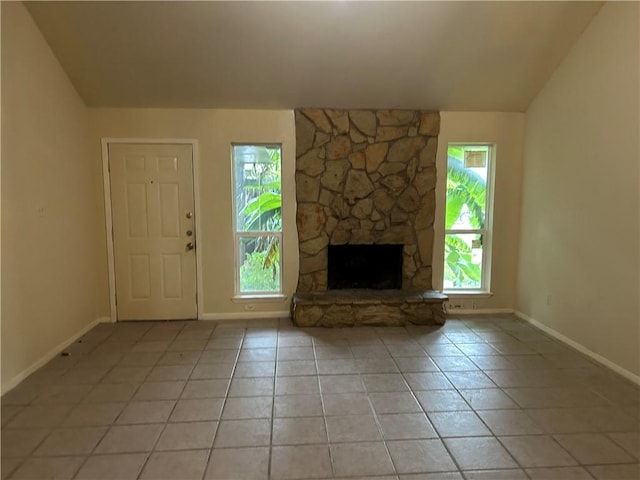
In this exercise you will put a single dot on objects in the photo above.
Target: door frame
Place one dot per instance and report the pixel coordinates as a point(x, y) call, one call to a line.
point(106, 141)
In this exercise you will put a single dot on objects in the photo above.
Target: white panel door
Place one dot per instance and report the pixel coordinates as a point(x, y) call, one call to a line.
point(153, 231)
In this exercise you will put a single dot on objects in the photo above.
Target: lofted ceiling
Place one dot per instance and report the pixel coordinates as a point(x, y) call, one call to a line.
point(476, 56)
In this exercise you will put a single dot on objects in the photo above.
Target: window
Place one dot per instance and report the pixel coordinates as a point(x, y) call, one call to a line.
point(257, 191)
point(467, 243)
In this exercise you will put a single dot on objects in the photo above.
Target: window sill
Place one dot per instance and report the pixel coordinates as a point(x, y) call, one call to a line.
point(468, 293)
point(259, 298)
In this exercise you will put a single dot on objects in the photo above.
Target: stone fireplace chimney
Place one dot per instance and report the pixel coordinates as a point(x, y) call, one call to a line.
point(365, 177)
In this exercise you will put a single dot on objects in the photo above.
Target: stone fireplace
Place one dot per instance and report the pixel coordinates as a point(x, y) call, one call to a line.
point(366, 178)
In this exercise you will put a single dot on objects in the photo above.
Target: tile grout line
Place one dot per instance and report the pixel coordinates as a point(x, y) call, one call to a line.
point(151, 452)
point(320, 394)
point(273, 403)
point(224, 401)
point(106, 431)
point(413, 395)
point(113, 423)
point(494, 436)
point(498, 438)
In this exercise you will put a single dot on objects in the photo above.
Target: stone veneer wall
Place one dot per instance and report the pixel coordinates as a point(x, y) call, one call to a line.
point(365, 177)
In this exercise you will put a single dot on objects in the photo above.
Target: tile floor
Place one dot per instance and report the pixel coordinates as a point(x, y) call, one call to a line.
point(480, 398)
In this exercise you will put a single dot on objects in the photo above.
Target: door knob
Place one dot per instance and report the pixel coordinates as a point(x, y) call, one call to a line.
point(190, 246)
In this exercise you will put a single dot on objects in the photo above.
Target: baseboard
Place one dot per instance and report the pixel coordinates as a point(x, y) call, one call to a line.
point(582, 349)
point(15, 381)
point(478, 311)
point(244, 315)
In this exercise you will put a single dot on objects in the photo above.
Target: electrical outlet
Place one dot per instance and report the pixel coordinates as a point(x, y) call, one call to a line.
point(250, 307)
point(474, 304)
point(549, 299)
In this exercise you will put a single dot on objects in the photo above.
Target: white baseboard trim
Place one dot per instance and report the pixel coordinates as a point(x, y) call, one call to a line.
point(244, 315)
point(478, 311)
point(15, 381)
point(104, 320)
point(582, 349)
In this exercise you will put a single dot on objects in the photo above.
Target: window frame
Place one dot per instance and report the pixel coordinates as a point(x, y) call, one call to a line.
point(237, 235)
point(486, 232)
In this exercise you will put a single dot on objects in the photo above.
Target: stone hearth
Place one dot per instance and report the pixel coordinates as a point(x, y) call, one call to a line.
point(366, 177)
point(352, 308)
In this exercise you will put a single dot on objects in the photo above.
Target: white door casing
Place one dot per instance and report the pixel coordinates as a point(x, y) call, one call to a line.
point(152, 207)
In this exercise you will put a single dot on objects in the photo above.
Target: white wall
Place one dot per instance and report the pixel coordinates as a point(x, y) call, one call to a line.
point(49, 245)
point(580, 217)
point(215, 131)
point(506, 131)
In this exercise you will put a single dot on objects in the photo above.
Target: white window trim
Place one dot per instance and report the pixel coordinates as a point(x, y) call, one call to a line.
point(486, 232)
point(260, 298)
point(249, 296)
point(469, 294)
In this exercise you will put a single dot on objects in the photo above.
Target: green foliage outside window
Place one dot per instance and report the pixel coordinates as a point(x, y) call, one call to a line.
point(465, 210)
point(258, 210)
point(255, 276)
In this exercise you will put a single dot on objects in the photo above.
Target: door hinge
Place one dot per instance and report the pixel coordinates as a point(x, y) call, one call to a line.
point(115, 296)
point(196, 298)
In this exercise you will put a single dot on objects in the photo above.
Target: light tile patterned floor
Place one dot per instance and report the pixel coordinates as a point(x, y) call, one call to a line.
point(480, 398)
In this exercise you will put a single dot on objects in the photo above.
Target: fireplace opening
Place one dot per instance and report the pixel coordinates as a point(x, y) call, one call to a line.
point(364, 266)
